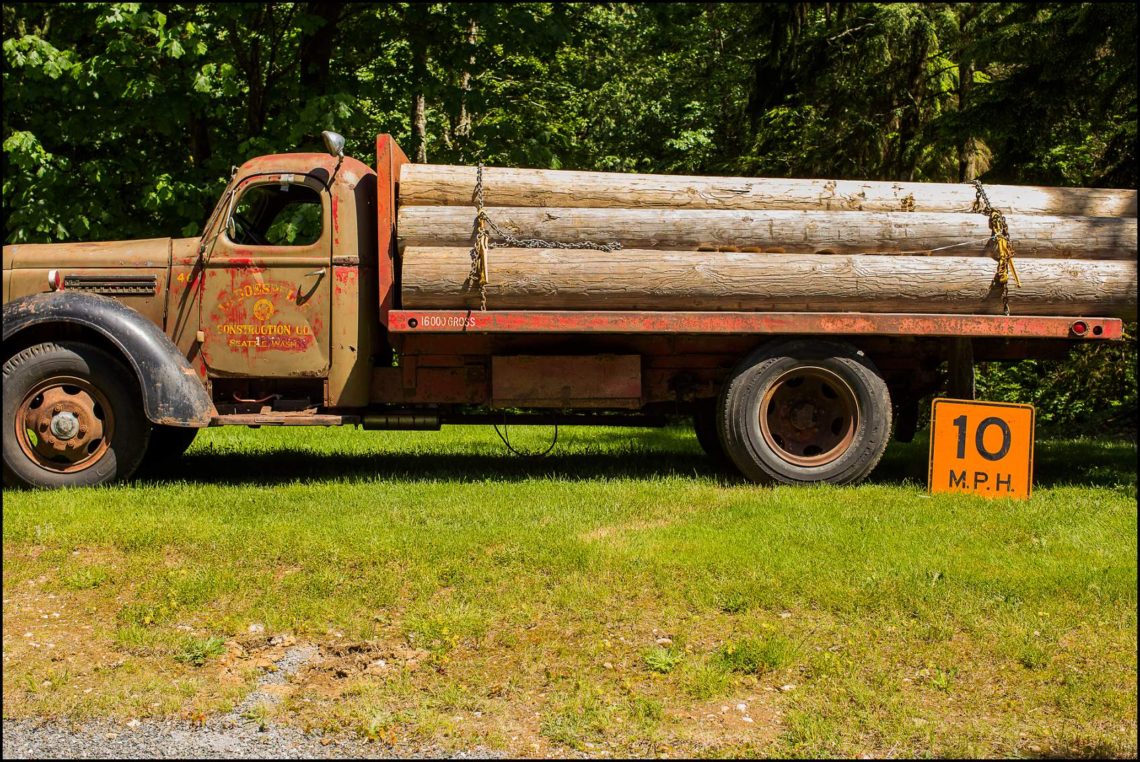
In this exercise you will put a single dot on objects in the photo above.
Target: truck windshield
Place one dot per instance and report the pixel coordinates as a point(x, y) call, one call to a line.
point(277, 215)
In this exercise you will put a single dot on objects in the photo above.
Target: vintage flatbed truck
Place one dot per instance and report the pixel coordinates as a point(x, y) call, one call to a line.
point(287, 311)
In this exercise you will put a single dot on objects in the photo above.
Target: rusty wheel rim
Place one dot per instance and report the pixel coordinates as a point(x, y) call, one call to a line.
point(64, 424)
point(809, 416)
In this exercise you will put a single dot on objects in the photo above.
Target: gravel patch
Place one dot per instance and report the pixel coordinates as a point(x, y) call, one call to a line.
point(229, 736)
point(293, 660)
point(178, 739)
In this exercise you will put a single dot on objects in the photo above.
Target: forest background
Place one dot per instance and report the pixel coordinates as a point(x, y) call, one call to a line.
point(122, 120)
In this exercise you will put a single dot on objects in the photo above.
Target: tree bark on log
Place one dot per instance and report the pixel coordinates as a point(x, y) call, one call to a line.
point(640, 279)
point(777, 231)
point(445, 185)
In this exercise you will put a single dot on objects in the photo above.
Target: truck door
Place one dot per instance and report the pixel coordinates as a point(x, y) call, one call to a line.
point(266, 296)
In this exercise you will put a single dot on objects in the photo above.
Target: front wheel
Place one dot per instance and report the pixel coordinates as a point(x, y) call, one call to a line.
point(73, 417)
point(802, 412)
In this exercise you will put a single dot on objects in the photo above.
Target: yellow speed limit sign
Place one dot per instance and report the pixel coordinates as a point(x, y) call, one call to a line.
point(983, 448)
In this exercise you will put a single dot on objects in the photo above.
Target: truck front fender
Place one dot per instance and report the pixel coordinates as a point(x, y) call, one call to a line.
point(172, 394)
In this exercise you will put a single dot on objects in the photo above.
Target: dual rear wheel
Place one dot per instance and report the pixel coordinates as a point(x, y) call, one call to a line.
point(799, 412)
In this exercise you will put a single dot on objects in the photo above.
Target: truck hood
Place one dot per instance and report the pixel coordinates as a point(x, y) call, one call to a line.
point(147, 253)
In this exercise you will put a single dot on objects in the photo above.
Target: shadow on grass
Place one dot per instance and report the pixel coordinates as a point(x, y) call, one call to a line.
point(1088, 463)
point(288, 465)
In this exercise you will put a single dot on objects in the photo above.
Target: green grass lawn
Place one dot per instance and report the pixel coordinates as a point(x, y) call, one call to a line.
point(619, 596)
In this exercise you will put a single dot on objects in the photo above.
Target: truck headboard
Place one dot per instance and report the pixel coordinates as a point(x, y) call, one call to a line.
point(389, 159)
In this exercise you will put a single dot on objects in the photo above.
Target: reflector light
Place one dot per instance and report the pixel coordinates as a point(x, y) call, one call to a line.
point(53, 280)
point(1080, 327)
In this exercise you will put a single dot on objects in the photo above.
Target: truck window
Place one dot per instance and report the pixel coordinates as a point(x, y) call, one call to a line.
point(276, 215)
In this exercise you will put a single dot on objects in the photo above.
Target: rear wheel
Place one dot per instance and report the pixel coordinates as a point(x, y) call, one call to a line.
point(704, 424)
point(72, 416)
point(801, 412)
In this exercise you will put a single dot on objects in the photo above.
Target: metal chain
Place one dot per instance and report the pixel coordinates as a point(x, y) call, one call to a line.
point(485, 226)
point(999, 240)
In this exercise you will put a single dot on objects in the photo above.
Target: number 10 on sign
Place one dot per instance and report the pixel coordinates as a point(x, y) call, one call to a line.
point(983, 448)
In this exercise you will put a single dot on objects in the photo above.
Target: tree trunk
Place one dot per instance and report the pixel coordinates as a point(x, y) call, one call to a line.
point(316, 48)
point(639, 279)
point(967, 151)
point(463, 122)
point(419, 87)
point(781, 230)
point(435, 184)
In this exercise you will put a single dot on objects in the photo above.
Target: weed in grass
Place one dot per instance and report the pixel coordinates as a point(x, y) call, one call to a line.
point(136, 639)
point(733, 602)
point(751, 656)
point(259, 714)
point(195, 651)
point(445, 628)
point(647, 712)
point(1033, 656)
point(378, 727)
point(85, 578)
point(939, 679)
point(662, 660)
point(57, 678)
point(582, 719)
point(143, 614)
point(707, 680)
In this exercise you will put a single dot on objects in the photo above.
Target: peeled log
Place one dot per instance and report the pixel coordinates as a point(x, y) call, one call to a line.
point(641, 279)
point(445, 185)
point(780, 230)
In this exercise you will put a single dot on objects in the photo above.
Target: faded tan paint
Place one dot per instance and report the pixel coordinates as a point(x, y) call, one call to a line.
point(182, 305)
point(27, 267)
point(355, 304)
point(146, 253)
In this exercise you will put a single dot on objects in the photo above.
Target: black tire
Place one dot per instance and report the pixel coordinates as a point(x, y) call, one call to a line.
point(704, 424)
point(105, 432)
point(841, 378)
point(167, 444)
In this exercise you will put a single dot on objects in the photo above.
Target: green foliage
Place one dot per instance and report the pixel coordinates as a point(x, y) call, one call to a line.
point(195, 651)
point(1091, 392)
point(123, 119)
point(755, 657)
point(662, 660)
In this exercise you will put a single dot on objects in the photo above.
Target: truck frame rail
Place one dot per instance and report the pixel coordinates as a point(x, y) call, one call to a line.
point(821, 323)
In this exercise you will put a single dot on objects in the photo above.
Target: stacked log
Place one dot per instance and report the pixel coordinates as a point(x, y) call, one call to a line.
point(694, 243)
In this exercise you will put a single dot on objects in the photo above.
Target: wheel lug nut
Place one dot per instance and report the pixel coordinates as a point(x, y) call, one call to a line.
point(82, 431)
point(57, 409)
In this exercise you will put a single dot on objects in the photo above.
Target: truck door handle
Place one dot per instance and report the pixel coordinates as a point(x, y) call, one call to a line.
point(304, 294)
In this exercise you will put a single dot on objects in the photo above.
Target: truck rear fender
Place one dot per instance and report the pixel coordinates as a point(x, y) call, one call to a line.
point(172, 394)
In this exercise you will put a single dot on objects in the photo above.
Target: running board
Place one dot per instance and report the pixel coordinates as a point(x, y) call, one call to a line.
point(283, 419)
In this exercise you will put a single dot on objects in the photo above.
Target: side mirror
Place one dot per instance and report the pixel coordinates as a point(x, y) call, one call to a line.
point(334, 143)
